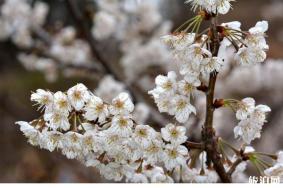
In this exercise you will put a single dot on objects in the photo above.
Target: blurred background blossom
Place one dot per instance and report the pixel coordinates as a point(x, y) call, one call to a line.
point(44, 45)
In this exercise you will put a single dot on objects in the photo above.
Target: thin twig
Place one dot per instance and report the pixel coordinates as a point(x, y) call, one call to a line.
point(234, 166)
point(194, 145)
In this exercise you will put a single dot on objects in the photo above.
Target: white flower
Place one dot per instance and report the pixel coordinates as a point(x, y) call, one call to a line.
point(141, 112)
point(179, 42)
point(188, 175)
point(57, 120)
point(247, 130)
point(203, 175)
point(223, 6)
point(105, 25)
point(71, 145)
point(109, 88)
point(250, 55)
point(280, 157)
point(260, 27)
point(163, 103)
point(277, 169)
point(213, 6)
point(233, 25)
point(186, 88)
point(157, 175)
point(30, 132)
point(110, 140)
point(143, 135)
point(133, 150)
point(174, 156)
point(154, 151)
point(164, 85)
point(259, 114)
point(139, 178)
point(52, 140)
point(192, 77)
point(111, 171)
point(66, 35)
point(248, 149)
point(61, 102)
point(161, 178)
point(122, 104)
point(90, 143)
point(78, 95)
point(174, 134)
point(121, 125)
point(210, 176)
point(252, 119)
point(238, 175)
point(40, 12)
point(43, 98)
point(195, 54)
point(91, 161)
point(256, 36)
point(95, 108)
point(211, 64)
point(182, 108)
point(245, 108)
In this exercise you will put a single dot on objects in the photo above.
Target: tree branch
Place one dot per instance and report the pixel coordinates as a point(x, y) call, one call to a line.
point(234, 166)
point(194, 145)
point(208, 134)
point(81, 23)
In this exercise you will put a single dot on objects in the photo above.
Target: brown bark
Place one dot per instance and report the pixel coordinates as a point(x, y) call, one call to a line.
point(234, 166)
point(208, 133)
point(194, 145)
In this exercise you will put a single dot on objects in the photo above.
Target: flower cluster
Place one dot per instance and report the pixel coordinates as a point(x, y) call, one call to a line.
point(192, 52)
point(196, 64)
point(18, 18)
point(68, 49)
point(137, 26)
point(104, 130)
point(64, 49)
point(112, 18)
point(22, 23)
point(109, 88)
point(250, 45)
point(212, 6)
point(173, 97)
point(254, 45)
point(106, 136)
point(251, 119)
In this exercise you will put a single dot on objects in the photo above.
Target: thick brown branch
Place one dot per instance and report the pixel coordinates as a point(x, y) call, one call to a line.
point(208, 134)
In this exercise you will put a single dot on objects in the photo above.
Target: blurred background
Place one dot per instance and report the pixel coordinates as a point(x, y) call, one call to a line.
point(49, 48)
